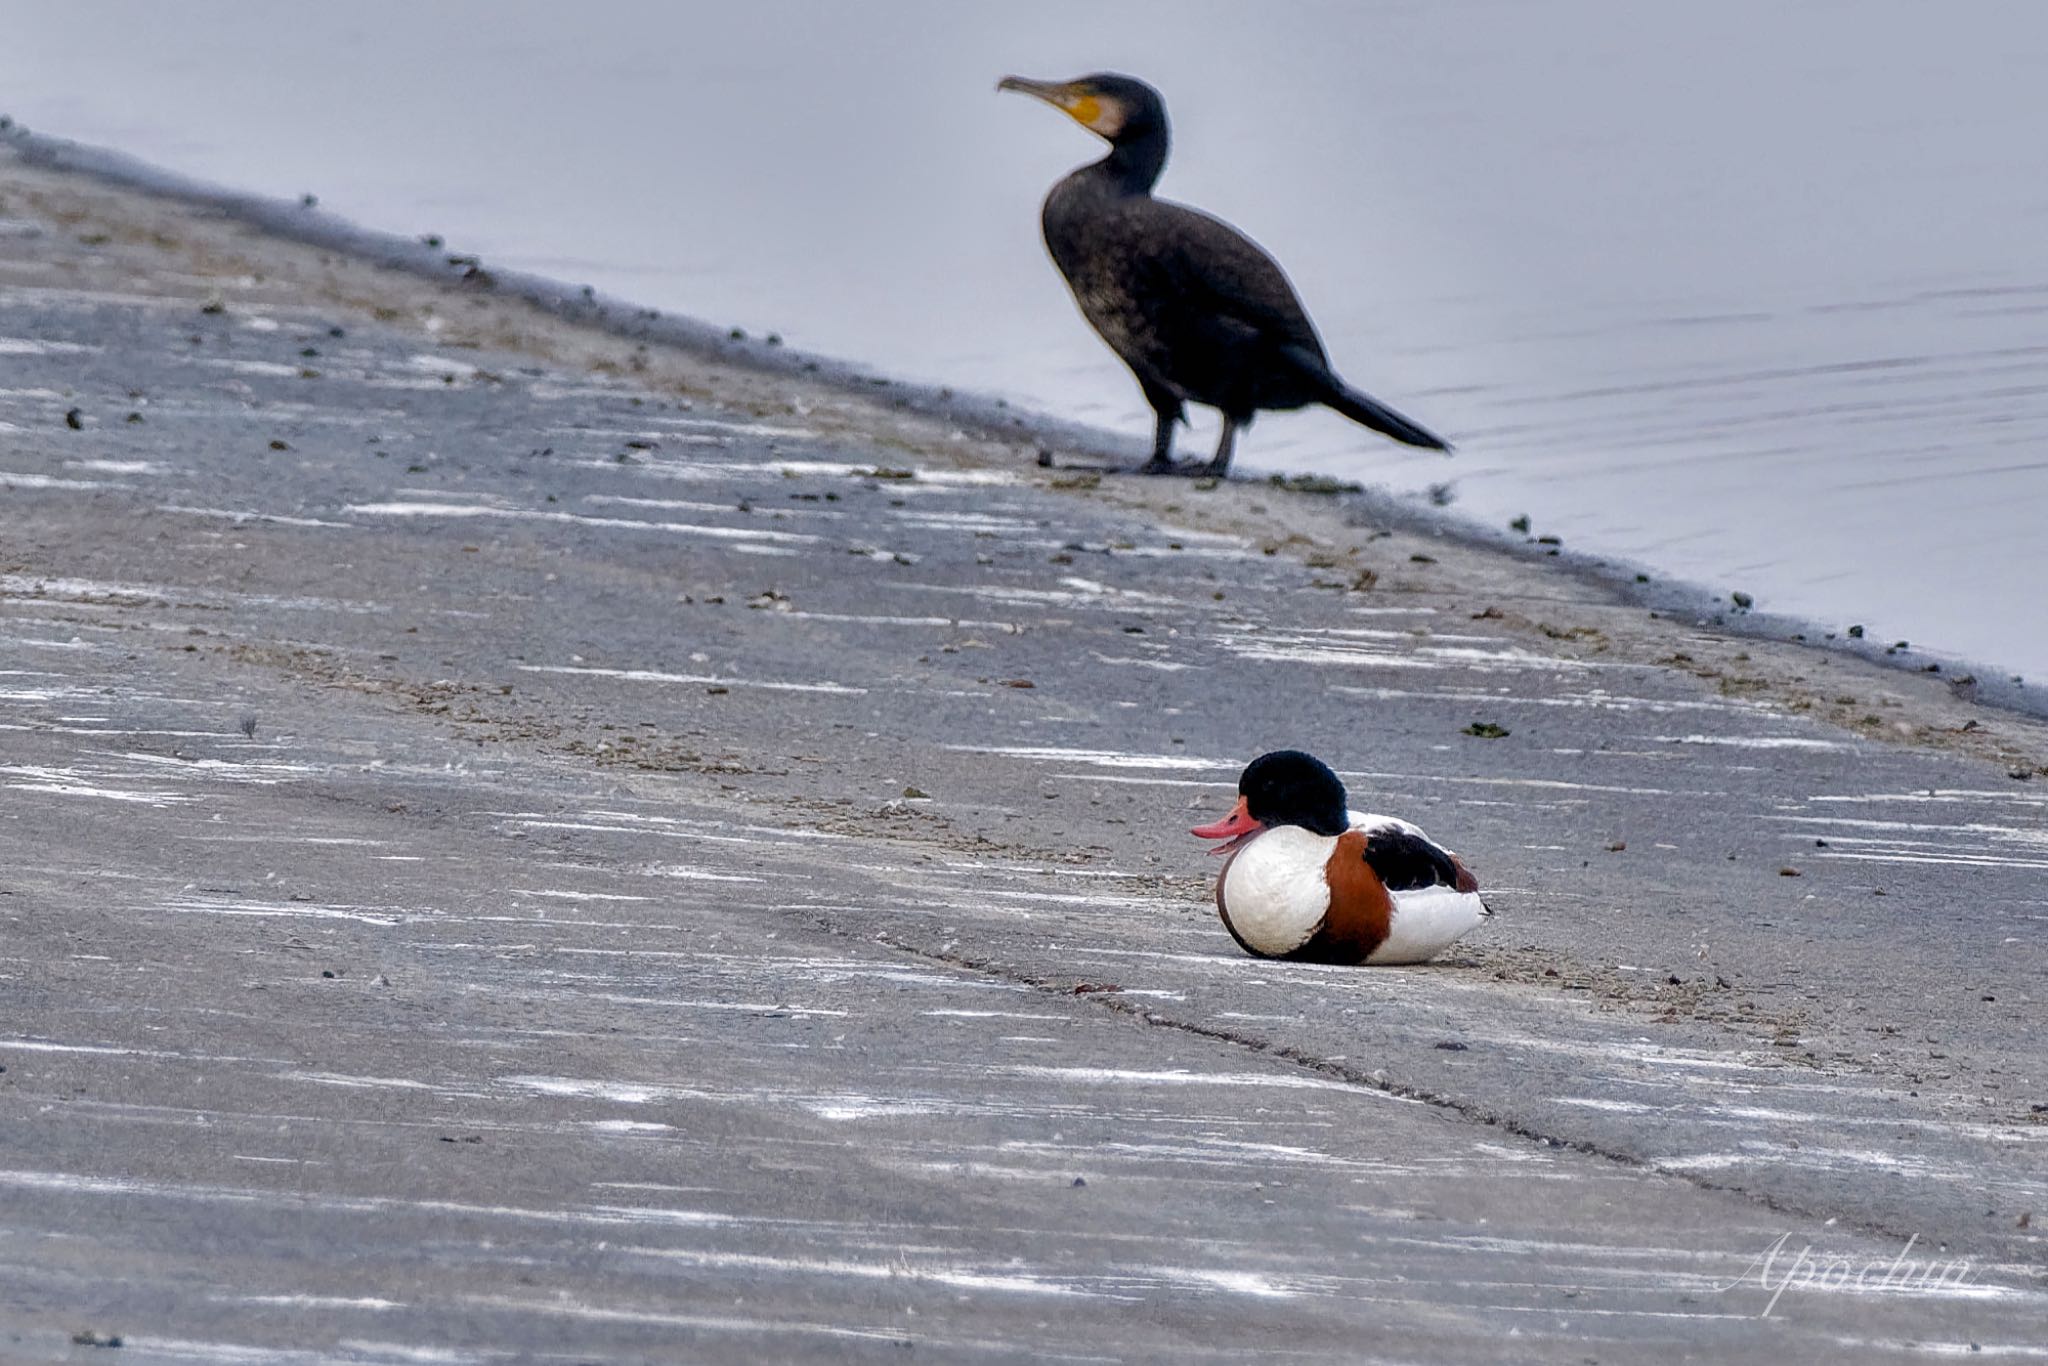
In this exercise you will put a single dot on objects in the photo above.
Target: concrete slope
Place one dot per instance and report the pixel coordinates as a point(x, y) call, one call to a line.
point(506, 860)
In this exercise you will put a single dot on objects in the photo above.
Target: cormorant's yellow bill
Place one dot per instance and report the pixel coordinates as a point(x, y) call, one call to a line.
point(1088, 109)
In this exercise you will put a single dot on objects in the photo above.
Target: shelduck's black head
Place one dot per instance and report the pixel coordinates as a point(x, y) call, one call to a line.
point(1288, 787)
point(1285, 787)
point(1119, 109)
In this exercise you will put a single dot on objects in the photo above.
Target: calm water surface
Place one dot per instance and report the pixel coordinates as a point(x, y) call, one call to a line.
point(1756, 294)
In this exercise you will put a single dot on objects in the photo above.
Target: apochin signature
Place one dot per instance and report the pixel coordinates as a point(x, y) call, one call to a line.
point(1778, 1269)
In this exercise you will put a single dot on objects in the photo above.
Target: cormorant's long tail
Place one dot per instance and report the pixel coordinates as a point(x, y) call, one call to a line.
point(1382, 419)
point(1363, 408)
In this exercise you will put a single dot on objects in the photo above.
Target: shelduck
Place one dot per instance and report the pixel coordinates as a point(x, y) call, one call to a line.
point(1309, 879)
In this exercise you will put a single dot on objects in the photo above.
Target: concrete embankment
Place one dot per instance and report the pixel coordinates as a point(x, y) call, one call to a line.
point(520, 844)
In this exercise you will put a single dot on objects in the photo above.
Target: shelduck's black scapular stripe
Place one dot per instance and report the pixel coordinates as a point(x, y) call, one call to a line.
point(1407, 861)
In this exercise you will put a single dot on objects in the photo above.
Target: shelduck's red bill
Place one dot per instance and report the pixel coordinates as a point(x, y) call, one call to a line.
point(1234, 829)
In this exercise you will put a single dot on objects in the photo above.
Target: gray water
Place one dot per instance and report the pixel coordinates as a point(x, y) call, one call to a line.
point(1755, 294)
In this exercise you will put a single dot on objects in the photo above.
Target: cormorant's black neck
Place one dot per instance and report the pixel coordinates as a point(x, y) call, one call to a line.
point(1134, 162)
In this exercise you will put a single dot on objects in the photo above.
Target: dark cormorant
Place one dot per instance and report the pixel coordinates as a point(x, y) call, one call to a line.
point(1197, 310)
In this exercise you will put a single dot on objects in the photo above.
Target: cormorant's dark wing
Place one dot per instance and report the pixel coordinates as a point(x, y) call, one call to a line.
point(1224, 319)
point(1201, 266)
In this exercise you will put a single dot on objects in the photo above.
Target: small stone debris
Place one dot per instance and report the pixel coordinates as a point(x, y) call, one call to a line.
point(1092, 988)
point(1617, 847)
point(88, 1337)
point(280, 445)
point(461, 1138)
point(1081, 1181)
point(1451, 1046)
point(1319, 484)
point(75, 420)
point(1743, 601)
point(1486, 730)
point(1674, 980)
point(1018, 683)
point(1789, 872)
point(1419, 558)
point(717, 690)
point(1520, 524)
point(917, 794)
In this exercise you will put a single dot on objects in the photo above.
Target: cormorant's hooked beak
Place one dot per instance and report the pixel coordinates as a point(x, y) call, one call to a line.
point(1097, 115)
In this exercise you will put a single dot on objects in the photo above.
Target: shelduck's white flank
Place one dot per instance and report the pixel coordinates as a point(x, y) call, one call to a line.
point(1427, 921)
